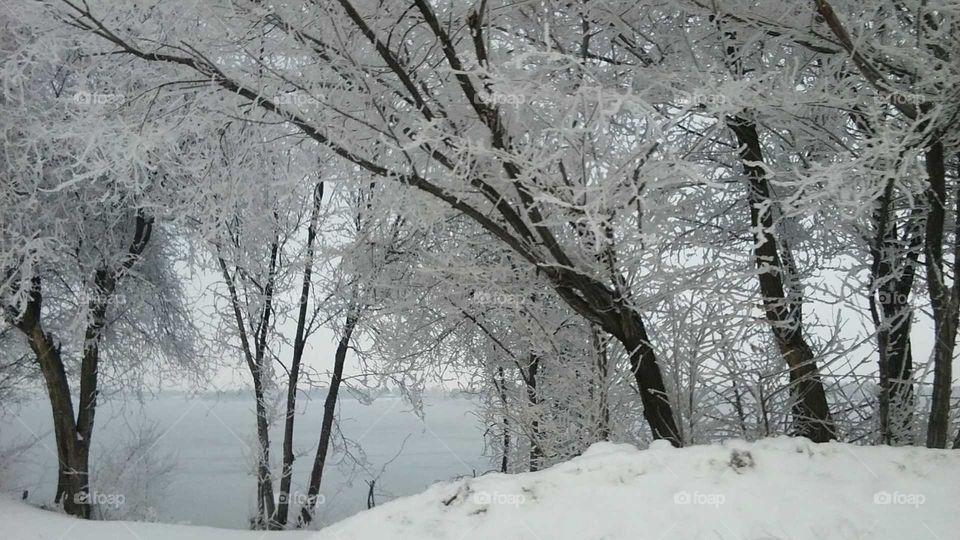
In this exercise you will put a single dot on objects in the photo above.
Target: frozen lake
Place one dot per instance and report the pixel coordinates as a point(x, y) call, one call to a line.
point(211, 438)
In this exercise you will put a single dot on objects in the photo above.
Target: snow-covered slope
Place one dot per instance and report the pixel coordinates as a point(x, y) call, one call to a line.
point(779, 488)
point(19, 521)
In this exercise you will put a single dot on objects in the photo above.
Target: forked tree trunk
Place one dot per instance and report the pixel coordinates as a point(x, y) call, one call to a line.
point(73, 468)
point(326, 428)
point(255, 354)
point(892, 274)
point(265, 500)
point(74, 433)
point(299, 343)
point(893, 285)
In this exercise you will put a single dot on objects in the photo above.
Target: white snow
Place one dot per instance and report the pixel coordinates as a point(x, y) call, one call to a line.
point(773, 489)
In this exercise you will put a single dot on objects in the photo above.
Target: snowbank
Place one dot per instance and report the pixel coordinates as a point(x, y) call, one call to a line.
point(774, 489)
point(19, 521)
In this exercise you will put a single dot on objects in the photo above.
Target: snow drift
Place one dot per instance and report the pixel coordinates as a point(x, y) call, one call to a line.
point(774, 489)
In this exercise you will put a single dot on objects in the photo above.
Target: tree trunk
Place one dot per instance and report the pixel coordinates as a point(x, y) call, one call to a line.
point(73, 470)
point(603, 373)
point(811, 413)
point(533, 399)
point(653, 390)
point(74, 433)
point(265, 500)
point(502, 390)
point(600, 306)
point(943, 300)
point(299, 343)
point(738, 407)
point(326, 428)
point(894, 319)
point(254, 355)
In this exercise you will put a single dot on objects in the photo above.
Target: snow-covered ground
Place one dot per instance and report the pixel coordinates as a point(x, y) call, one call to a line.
point(775, 489)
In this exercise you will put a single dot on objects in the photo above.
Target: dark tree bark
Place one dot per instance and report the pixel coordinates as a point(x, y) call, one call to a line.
point(892, 275)
point(500, 382)
point(811, 412)
point(329, 411)
point(603, 372)
point(945, 301)
point(892, 272)
point(72, 476)
point(653, 391)
point(265, 500)
point(738, 407)
point(529, 376)
point(371, 497)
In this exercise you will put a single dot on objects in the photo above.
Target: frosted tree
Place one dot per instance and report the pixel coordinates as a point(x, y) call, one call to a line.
point(477, 160)
point(91, 193)
point(883, 94)
point(630, 160)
